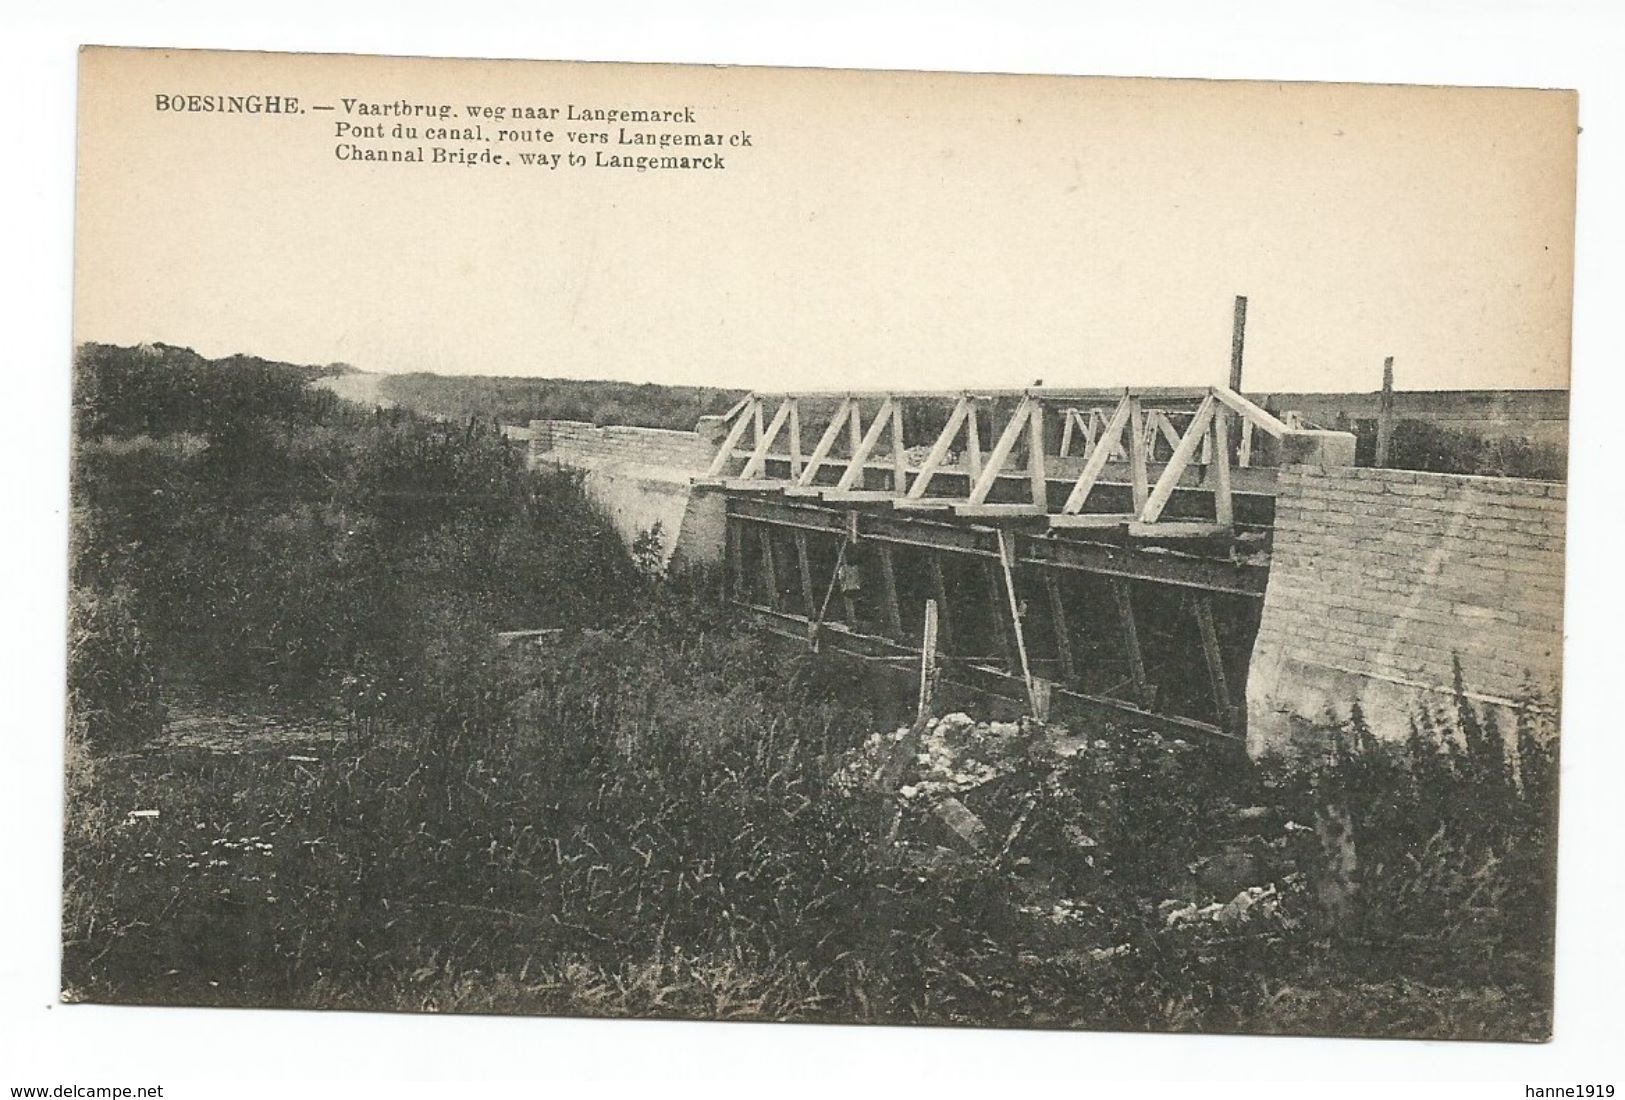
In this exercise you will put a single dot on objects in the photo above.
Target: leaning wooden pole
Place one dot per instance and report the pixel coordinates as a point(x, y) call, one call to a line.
point(930, 671)
point(1007, 559)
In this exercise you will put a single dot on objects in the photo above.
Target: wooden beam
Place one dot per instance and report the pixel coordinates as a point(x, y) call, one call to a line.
point(899, 452)
point(996, 610)
point(995, 511)
point(1244, 453)
point(1181, 458)
point(939, 451)
point(804, 563)
point(1224, 509)
point(720, 463)
point(1007, 557)
point(1131, 640)
point(826, 443)
point(1137, 452)
point(1089, 520)
point(1019, 422)
point(829, 592)
point(857, 496)
point(758, 457)
point(770, 573)
point(1098, 458)
point(1250, 412)
point(794, 428)
point(973, 439)
point(1203, 602)
point(888, 586)
point(1164, 426)
point(1068, 416)
point(1063, 634)
point(939, 588)
point(734, 557)
point(980, 677)
point(1035, 455)
point(1179, 529)
point(860, 455)
point(1238, 339)
point(929, 669)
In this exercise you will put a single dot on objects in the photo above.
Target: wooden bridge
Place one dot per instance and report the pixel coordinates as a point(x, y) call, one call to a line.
point(1088, 548)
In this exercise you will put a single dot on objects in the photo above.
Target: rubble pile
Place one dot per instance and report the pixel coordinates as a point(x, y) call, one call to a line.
point(959, 795)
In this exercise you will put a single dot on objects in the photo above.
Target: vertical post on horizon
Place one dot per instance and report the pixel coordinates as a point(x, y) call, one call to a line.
point(1238, 338)
point(1385, 413)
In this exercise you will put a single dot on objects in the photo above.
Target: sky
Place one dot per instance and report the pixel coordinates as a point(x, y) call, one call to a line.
point(914, 230)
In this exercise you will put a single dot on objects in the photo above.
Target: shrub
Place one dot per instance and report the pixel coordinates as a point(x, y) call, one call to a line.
point(113, 696)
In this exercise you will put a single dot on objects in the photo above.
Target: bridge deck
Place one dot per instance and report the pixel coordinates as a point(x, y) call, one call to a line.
point(1108, 548)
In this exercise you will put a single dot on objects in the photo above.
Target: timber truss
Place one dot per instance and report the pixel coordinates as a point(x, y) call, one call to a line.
point(1109, 550)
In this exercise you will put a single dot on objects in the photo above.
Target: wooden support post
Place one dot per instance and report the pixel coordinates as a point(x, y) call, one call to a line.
point(764, 440)
point(1244, 453)
point(899, 453)
point(1067, 418)
point(973, 438)
point(939, 587)
point(1063, 634)
point(853, 474)
point(929, 669)
point(1194, 435)
point(888, 586)
point(734, 582)
point(826, 443)
point(1039, 696)
point(1007, 557)
point(1020, 421)
point(770, 573)
point(1203, 602)
point(1035, 456)
point(996, 612)
point(1131, 640)
point(1385, 413)
point(852, 535)
point(815, 631)
point(1105, 444)
point(1224, 511)
point(794, 428)
point(1238, 339)
point(1136, 454)
point(719, 463)
point(809, 596)
point(939, 452)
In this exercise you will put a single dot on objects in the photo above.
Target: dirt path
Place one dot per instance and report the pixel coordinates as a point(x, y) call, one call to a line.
point(214, 728)
point(363, 389)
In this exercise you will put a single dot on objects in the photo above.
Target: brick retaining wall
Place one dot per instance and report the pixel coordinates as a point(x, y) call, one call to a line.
point(1379, 578)
point(576, 442)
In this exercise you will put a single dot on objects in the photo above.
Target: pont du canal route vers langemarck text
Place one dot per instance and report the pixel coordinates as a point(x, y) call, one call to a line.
point(532, 137)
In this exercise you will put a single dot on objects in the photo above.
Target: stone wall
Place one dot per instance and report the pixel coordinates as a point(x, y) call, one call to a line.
point(641, 477)
point(1379, 578)
point(576, 442)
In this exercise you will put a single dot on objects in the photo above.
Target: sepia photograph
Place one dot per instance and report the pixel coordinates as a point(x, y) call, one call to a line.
point(728, 543)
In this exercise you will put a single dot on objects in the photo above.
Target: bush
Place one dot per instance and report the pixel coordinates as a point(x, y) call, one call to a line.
point(113, 695)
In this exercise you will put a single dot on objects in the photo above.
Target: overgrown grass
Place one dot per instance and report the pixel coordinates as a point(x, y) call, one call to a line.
point(644, 821)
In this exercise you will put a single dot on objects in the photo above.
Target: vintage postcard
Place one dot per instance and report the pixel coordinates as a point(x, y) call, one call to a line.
point(815, 545)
